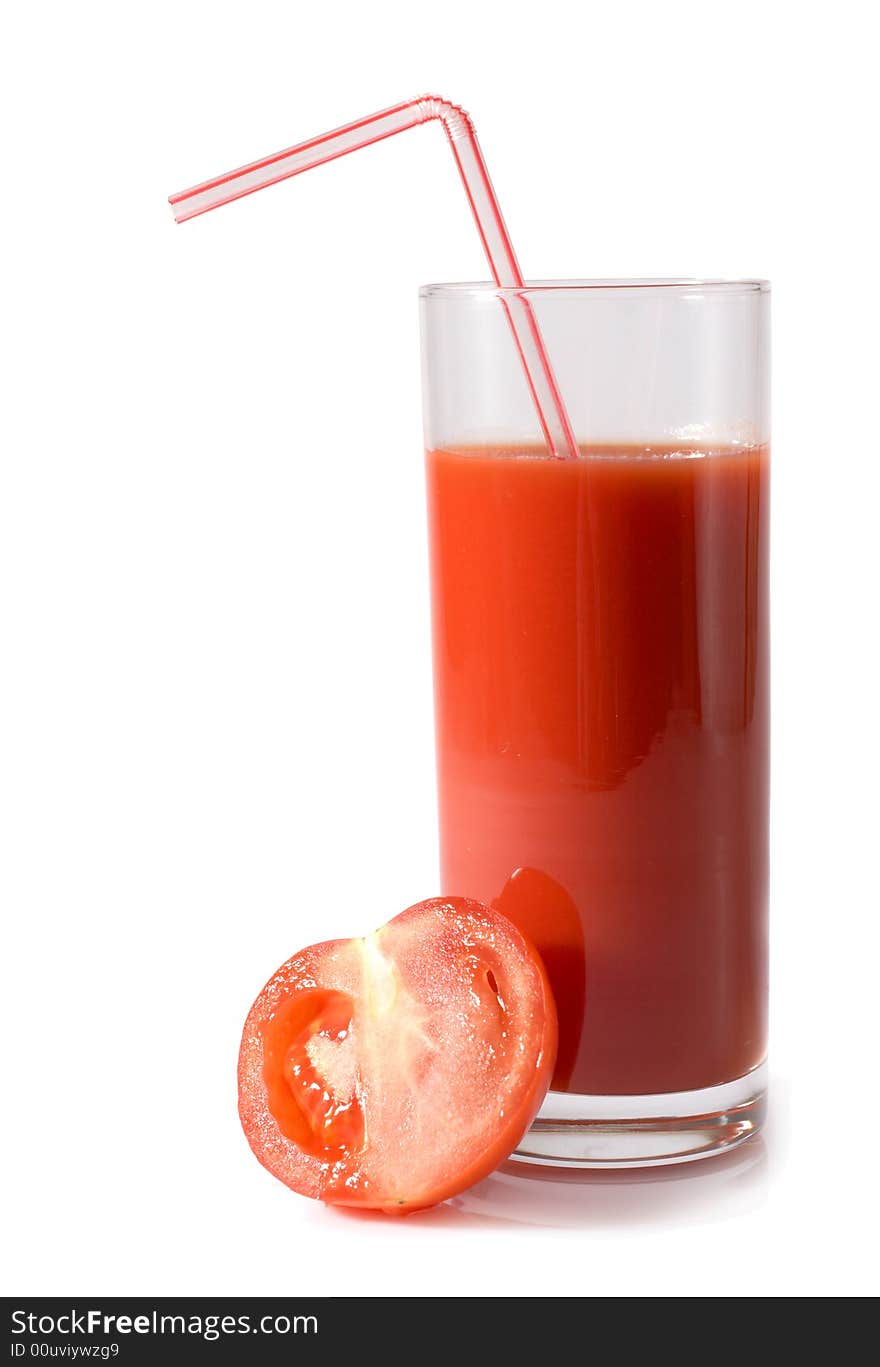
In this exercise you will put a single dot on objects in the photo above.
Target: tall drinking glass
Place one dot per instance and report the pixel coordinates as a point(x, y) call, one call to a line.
point(600, 630)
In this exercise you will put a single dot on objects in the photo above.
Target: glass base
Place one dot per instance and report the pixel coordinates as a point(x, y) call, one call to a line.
point(573, 1131)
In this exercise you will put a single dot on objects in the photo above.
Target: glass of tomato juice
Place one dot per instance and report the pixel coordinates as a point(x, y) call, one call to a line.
point(600, 645)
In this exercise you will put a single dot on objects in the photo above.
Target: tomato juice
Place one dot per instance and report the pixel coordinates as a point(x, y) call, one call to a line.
point(601, 693)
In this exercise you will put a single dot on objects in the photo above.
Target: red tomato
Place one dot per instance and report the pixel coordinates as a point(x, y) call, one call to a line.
point(395, 1071)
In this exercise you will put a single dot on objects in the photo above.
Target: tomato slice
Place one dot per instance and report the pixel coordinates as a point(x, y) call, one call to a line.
point(394, 1071)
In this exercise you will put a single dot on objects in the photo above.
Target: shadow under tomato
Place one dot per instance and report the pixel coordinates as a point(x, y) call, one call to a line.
point(446, 1214)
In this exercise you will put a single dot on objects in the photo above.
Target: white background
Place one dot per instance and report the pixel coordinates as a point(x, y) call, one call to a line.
point(215, 687)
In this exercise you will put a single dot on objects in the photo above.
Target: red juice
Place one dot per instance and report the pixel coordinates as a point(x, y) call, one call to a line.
point(601, 681)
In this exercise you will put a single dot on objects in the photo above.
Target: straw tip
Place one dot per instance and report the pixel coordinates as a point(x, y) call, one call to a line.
point(180, 209)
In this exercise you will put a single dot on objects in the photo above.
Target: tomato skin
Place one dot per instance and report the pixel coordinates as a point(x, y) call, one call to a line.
point(393, 1072)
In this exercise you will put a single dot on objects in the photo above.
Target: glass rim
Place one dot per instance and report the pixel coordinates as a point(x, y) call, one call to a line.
point(681, 286)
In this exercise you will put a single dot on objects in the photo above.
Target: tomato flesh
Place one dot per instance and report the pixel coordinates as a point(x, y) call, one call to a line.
point(298, 1044)
point(394, 1071)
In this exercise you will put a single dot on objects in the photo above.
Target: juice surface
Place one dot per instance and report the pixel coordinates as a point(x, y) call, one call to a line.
point(601, 681)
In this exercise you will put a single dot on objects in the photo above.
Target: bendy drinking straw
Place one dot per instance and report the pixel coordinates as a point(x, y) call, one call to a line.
point(484, 206)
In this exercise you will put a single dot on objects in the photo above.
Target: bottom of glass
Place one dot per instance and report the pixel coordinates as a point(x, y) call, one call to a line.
point(573, 1131)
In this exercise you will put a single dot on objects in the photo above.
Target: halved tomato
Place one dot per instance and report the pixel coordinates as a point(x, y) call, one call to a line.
point(394, 1071)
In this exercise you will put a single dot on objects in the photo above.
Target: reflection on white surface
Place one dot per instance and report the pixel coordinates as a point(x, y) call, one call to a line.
point(711, 1189)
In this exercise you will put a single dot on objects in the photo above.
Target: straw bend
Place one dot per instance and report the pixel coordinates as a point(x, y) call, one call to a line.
point(455, 120)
